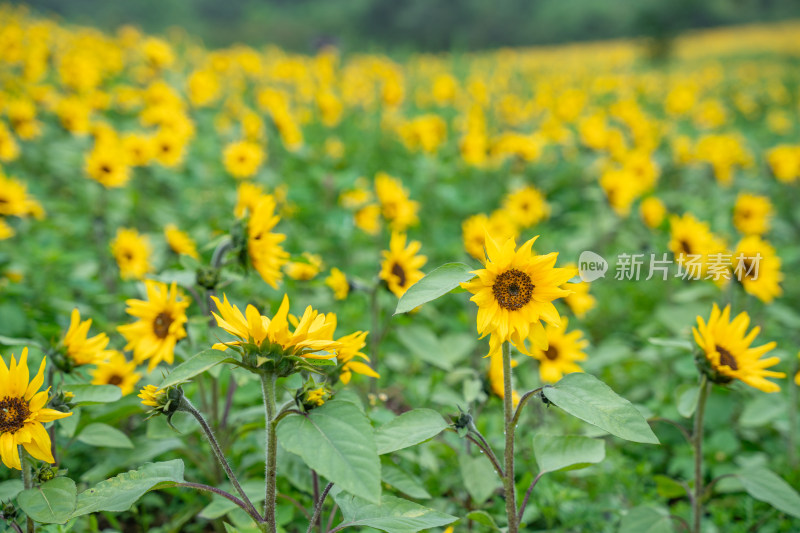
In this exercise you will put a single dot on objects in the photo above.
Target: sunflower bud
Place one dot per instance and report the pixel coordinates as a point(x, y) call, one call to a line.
point(7, 511)
point(463, 423)
point(163, 401)
point(311, 397)
point(207, 277)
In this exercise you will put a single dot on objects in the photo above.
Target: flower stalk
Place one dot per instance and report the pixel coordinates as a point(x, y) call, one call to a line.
point(508, 416)
point(271, 451)
point(697, 442)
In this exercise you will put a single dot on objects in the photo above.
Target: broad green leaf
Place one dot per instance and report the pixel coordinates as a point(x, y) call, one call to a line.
point(393, 515)
point(94, 394)
point(51, 503)
point(120, 492)
point(766, 486)
point(483, 518)
point(586, 397)
point(104, 435)
point(762, 410)
point(229, 528)
point(337, 441)
point(408, 429)
point(400, 480)
point(197, 364)
point(436, 283)
point(479, 476)
point(572, 452)
point(668, 488)
point(687, 400)
point(424, 344)
point(646, 519)
point(9, 489)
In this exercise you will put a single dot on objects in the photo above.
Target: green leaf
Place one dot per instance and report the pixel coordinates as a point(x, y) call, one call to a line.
point(98, 434)
point(9, 489)
point(567, 453)
point(646, 519)
point(586, 397)
point(766, 486)
point(483, 518)
point(16, 341)
point(672, 343)
point(393, 515)
point(51, 503)
point(197, 364)
point(400, 480)
point(408, 429)
point(436, 283)
point(479, 476)
point(668, 488)
point(337, 441)
point(120, 492)
point(94, 394)
point(687, 400)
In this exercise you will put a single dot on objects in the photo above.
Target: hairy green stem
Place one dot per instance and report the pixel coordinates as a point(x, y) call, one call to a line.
point(318, 508)
point(27, 481)
point(697, 441)
point(522, 401)
point(214, 490)
point(271, 451)
point(508, 412)
point(792, 439)
point(187, 406)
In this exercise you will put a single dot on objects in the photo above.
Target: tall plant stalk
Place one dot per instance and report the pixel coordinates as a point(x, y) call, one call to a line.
point(697, 444)
point(271, 451)
point(508, 417)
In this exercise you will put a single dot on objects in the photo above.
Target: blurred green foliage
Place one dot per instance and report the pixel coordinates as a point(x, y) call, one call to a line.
point(428, 25)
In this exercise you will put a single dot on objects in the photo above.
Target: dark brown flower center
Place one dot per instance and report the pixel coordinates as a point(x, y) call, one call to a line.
point(551, 353)
point(116, 379)
point(513, 289)
point(105, 169)
point(726, 359)
point(161, 324)
point(13, 412)
point(685, 246)
point(398, 271)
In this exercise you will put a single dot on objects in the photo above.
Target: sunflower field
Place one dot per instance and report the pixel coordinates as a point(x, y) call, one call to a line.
point(530, 289)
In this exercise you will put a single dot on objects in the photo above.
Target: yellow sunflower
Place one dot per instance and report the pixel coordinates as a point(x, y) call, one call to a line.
point(107, 164)
point(515, 291)
point(243, 158)
point(653, 211)
point(152, 396)
point(15, 200)
point(160, 326)
point(400, 268)
point(563, 350)
point(81, 349)
point(248, 195)
point(368, 219)
point(180, 242)
point(132, 252)
point(337, 281)
point(349, 353)
point(751, 214)
point(117, 371)
point(304, 270)
point(726, 345)
point(263, 246)
point(526, 206)
point(22, 412)
point(758, 268)
point(689, 237)
point(397, 208)
point(312, 336)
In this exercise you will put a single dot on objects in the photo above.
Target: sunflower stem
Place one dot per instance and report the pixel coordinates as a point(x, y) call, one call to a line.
point(508, 412)
point(187, 406)
point(793, 417)
point(27, 482)
point(271, 451)
point(375, 316)
point(316, 519)
point(697, 441)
